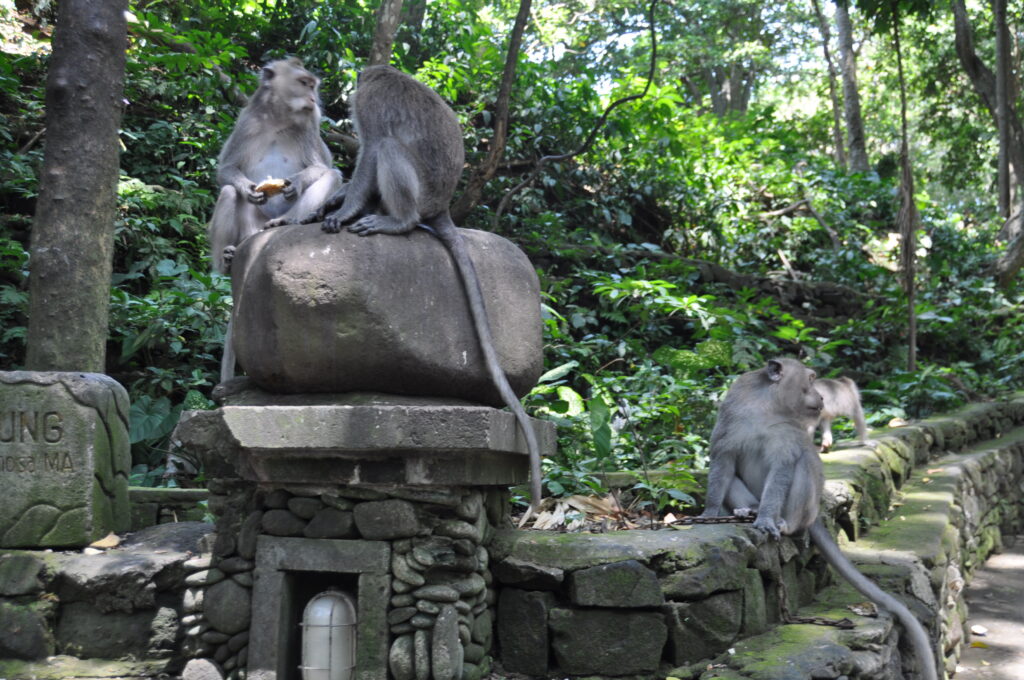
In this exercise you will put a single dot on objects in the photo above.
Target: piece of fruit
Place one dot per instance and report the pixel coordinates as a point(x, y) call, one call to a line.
point(271, 187)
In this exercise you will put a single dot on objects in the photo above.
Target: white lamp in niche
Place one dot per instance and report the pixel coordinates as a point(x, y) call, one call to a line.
point(329, 637)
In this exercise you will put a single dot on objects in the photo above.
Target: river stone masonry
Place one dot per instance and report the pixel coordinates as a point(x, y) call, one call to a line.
point(391, 499)
point(64, 459)
point(441, 588)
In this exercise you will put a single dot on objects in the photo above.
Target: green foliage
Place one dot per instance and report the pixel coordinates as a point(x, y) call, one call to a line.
point(632, 239)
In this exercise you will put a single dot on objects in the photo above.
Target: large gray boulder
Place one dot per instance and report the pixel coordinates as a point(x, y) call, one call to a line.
point(317, 312)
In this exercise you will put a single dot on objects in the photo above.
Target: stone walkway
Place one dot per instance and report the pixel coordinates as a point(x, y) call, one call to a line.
point(995, 600)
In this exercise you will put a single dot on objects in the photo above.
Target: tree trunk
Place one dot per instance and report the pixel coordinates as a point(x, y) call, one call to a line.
point(72, 235)
point(906, 216)
point(388, 15)
point(837, 124)
point(1002, 103)
point(984, 83)
point(485, 171)
point(851, 97)
point(414, 12)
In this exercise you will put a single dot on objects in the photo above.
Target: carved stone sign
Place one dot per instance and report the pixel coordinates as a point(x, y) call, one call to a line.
point(64, 459)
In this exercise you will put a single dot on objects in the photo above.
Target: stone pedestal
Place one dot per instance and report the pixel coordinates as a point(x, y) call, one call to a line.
point(64, 459)
point(392, 500)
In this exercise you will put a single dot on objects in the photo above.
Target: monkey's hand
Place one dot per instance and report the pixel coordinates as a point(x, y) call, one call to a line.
point(290, 191)
point(253, 196)
point(228, 255)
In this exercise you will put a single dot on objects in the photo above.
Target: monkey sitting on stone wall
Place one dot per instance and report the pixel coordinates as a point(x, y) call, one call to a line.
point(763, 461)
point(841, 398)
point(273, 167)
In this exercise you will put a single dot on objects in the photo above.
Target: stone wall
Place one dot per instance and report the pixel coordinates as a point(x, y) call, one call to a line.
point(447, 577)
point(94, 613)
point(699, 601)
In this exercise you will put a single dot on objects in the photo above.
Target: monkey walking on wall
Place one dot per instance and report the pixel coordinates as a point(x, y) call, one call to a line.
point(409, 163)
point(841, 398)
point(273, 167)
point(763, 460)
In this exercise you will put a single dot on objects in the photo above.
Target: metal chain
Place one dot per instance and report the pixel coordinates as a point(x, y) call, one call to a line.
point(712, 520)
point(787, 617)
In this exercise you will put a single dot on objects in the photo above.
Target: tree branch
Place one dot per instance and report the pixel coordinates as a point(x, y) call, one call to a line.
point(485, 171)
point(544, 160)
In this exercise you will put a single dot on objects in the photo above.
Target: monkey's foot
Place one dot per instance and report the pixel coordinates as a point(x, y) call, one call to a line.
point(380, 224)
point(744, 512)
point(766, 525)
point(277, 222)
point(334, 222)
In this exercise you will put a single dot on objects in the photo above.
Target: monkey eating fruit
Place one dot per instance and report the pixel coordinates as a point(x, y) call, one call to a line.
point(841, 398)
point(277, 135)
point(763, 460)
point(410, 160)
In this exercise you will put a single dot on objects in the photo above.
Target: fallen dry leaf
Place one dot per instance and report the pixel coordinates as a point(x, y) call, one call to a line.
point(111, 540)
point(864, 609)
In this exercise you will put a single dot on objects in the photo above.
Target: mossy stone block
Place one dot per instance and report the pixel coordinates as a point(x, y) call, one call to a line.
point(64, 459)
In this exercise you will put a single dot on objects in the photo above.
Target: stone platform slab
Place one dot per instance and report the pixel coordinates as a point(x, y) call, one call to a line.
point(375, 444)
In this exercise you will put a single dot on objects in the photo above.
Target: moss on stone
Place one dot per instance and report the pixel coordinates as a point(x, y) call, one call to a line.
point(70, 668)
point(578, 551)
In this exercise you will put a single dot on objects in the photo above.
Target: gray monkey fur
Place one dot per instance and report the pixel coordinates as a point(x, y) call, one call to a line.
point(410, 159)
point(276, 135)
point(763, 460)
point(841, 398)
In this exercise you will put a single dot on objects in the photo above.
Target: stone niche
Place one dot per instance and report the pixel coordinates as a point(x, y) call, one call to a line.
point(64, 459)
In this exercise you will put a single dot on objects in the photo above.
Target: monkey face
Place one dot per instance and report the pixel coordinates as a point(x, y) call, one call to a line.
point(794, 388)
point(302, 92)
point(293, 85)
point(812, 399)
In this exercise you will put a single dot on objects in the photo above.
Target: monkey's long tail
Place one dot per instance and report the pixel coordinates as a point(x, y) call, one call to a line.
point(450, 236)
point(918, 637)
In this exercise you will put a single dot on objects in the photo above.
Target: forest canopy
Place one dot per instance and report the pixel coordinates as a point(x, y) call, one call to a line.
point(836, 182)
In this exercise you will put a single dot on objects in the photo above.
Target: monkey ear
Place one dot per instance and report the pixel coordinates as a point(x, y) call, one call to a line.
point(268, 73)
point(774, 367)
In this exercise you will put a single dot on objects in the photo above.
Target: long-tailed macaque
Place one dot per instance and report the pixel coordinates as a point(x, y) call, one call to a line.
point(276, 138)
point(410, 160)
point(841, 398)
point(763, 460)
